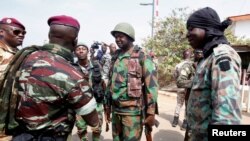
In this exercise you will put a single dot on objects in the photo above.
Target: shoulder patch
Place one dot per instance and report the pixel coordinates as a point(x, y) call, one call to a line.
point(224, 63)
point(224, 66)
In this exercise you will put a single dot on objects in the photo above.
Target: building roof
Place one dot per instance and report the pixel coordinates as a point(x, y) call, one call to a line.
point(241, 48)
point(240, 17)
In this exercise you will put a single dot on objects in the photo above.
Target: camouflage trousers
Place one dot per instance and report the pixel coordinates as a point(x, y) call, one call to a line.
point(126, 127)
point(82, 126)
point(180, 102)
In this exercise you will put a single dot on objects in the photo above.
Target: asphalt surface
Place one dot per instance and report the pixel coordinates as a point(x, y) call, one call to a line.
point(165, 132)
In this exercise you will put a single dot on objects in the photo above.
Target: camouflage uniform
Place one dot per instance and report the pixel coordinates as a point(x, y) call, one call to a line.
point(183, 80)
point(6, 55)
point(215, 92)
point(81, 123)
point(51, 91)
point(126, 108)
point(105, 62)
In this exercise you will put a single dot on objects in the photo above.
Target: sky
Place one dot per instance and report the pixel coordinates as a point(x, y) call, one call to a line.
point(99, 17)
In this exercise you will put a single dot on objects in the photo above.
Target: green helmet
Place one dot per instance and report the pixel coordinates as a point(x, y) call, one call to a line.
point(125, 28)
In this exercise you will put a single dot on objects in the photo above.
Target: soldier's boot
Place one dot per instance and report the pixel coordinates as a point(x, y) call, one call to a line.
point(96, 136)
point(175, 121)
point(184, 125)
point(83, 135)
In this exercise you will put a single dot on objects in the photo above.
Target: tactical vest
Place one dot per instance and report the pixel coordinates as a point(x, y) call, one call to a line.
point(8, 93)
point(135, 64)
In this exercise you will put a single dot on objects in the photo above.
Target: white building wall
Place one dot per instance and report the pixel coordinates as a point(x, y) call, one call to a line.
point(242, 28)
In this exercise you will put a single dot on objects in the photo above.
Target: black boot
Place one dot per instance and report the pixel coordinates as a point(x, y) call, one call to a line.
point(175, 121)
point(184, 125)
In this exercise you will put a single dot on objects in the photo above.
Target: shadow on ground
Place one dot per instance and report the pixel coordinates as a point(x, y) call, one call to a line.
point(246, 114)
point(168, 135)
point(76, 138)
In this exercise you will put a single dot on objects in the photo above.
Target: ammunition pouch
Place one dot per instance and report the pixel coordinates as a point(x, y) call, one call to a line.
point(134, 76)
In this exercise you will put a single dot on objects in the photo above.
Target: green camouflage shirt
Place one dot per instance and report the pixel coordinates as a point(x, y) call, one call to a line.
point(186, 72)
point(215, 93)
point(124, 104)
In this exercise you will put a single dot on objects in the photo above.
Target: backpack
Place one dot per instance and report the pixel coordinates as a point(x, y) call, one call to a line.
point(8, 93)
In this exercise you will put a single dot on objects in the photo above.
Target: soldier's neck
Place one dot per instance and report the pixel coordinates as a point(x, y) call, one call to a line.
point(83, 62)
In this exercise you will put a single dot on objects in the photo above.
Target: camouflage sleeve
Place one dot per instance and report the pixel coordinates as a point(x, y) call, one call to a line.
point(226, 74)
point(185, 77)
point(151, 84)
point(106, 66)
point(81, 99)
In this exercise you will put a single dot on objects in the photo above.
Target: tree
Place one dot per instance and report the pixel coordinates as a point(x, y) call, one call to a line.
point(168, 43)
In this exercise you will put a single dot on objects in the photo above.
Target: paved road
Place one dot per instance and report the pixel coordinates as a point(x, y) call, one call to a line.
point(165, 132)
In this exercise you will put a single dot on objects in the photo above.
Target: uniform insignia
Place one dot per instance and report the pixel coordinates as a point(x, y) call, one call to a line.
point(224, 63)
point(224, 66)
point(8, 21)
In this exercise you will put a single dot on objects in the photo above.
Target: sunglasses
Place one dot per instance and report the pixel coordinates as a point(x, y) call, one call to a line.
point(16, 32)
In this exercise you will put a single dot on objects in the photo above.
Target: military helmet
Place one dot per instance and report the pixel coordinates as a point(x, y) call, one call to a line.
point(125, 28)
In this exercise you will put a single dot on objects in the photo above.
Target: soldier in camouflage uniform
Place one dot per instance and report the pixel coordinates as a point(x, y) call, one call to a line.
point(51, 89)
point(124, 94)
point(215, 93)
point(90, 69)
point(12, 33)
point(184, 72)
point(105, 62)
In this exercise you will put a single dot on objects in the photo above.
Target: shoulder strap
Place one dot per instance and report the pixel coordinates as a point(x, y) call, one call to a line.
point(8, 93)
point(138, 53)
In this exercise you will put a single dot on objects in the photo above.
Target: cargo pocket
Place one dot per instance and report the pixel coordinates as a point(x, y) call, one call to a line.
point(134, 79)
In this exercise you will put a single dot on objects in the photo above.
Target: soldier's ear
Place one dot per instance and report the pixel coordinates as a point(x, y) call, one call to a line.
point(1, 33)
point(75, 42)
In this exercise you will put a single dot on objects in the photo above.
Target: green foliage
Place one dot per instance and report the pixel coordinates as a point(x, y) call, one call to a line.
point(236, 40)
point(168, 43)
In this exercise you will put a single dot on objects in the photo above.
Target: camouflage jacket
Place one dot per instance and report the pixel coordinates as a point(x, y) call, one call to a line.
point(6, 54)
point(215, 93)
point(122, 102)
point(52, 90)
point(105, 62)
point(185, 76)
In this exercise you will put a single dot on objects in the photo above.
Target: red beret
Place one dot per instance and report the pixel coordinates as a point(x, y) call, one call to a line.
point(64, 20)
point(12, 22)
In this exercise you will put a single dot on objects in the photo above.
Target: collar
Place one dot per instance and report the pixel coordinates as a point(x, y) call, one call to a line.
point(7, 48)
point(59, 50)
point(126, 54)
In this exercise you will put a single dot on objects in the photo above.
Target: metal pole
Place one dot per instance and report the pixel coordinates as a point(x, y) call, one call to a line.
point(153, 13)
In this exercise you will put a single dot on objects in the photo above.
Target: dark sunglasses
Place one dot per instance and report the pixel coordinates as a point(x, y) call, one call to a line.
point(17, 32)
